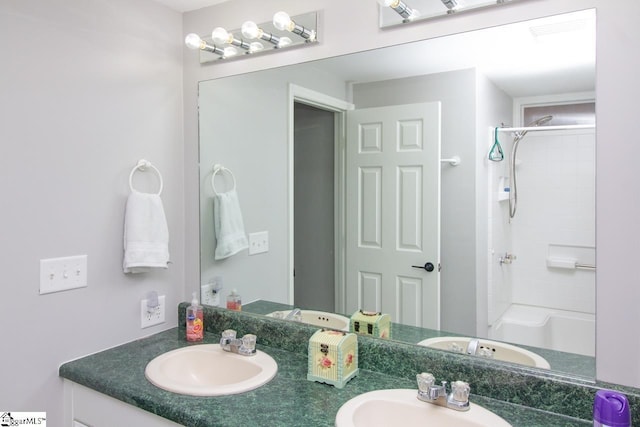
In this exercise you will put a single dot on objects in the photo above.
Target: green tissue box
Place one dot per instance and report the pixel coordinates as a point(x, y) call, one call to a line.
point(333, 357)
point(371, 323)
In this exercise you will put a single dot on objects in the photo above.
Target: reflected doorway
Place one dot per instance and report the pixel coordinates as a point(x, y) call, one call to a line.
point(314, 195)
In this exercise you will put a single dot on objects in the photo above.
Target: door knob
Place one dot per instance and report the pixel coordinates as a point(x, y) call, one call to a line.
point(428, 266)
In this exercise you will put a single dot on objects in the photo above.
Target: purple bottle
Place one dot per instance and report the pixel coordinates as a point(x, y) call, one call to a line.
point(611, 409)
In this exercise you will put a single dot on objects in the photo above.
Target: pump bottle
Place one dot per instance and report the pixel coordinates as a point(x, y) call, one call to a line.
point(195, 321)
point(234, 302)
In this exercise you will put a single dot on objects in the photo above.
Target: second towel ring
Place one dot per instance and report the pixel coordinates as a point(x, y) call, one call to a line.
point(219, 168)
point(142, 165)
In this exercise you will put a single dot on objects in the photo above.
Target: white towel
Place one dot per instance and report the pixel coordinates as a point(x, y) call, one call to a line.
point(228, 225)
point(146, 235)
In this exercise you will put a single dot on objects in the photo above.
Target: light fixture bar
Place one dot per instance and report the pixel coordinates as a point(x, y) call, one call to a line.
point(220, 35)
point(193, 41)
point(282, 21)
point(254, 38)
point(251, 31)
point(452, 5)
point(401, 8)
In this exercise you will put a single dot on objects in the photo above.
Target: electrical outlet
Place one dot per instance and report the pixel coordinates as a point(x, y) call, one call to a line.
point(258, 242)
point(61, 274)
point(152, 317)
point(208, 296)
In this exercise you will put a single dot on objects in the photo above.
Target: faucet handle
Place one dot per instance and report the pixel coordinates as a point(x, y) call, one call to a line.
point(425, 381)
point(460, 391)
point(248, 344)
point(227, 336)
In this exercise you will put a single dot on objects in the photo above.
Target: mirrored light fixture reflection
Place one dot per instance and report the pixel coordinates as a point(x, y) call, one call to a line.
point(251, 31)
point(402, 9)
point(283, 22)
point(452, 5)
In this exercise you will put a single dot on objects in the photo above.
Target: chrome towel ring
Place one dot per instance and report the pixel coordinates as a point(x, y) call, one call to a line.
point(219, 168)
point(142, 166)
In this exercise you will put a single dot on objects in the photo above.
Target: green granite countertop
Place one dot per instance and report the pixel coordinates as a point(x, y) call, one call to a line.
point(287, 400)
point(570, 363)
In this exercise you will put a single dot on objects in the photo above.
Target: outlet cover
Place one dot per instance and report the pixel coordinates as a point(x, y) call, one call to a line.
point(208, 297)
point(62, 274)
point(152, 316)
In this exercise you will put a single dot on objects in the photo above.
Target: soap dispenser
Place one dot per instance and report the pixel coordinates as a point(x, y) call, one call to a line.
point(234, 302)
point(195, 321)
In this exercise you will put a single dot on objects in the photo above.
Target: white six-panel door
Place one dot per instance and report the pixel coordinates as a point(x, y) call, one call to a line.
point(393, 212)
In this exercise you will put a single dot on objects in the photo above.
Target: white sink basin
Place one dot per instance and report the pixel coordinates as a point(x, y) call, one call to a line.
point(318, 318)
point(208, 370)
point(495, 349)
point(401, 407)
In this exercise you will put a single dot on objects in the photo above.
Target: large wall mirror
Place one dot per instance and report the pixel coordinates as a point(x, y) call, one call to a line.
point(351, 209)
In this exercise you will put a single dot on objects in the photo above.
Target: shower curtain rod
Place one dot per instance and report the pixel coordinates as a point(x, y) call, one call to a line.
point(537, 128)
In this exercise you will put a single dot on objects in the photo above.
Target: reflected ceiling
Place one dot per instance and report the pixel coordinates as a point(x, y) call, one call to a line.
point(523, 59)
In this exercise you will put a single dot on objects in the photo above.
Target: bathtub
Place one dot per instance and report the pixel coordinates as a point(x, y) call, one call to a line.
point(559, 330)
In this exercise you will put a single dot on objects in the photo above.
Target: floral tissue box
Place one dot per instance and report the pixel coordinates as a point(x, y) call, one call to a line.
point(371, 323)
point(333, 357)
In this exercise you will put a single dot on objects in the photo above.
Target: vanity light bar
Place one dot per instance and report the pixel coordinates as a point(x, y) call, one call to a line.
point(222, 36)
point(401, 8)
point(283, 22)
point(193, 41)
point(224, 44)
point(251, 31)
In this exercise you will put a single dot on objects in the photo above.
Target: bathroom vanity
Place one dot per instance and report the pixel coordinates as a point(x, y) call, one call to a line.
point(111, 385)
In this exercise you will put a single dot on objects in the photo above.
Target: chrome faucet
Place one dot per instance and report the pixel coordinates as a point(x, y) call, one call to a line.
point(428, 391)
point(472, 347)
point(507, 258)
point(246, 346)
point(295, 314)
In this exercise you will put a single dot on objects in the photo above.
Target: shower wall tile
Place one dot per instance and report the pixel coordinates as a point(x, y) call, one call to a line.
point(556, 205)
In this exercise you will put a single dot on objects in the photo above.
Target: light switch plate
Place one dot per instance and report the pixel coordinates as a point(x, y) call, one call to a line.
point(258, 242)
point(62, 274)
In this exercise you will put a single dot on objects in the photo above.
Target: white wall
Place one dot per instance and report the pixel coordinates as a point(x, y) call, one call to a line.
point(492, 107)
point(88, 88)
point(259, 162)
point(353, 26)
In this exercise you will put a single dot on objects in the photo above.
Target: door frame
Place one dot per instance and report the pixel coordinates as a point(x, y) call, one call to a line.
point(339, 107)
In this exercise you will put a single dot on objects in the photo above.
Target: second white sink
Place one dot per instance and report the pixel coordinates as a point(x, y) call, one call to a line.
point(497, 350)
point(208, 370)
point(400, 407)
point(318, 318)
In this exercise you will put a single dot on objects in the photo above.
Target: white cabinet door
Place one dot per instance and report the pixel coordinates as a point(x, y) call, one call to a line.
point(92, 409)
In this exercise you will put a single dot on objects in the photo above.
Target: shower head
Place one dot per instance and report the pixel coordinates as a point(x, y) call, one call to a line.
point(513, 193)
point(542, 120)
point(538, 122)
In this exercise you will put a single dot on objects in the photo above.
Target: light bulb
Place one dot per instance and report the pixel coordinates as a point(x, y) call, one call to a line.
point(230, 51)
point(250, 30)
point(220, 35)
point(255, 47)
point(193, 41)
point(389, 3)
point(284, 41)
point(282, 21)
